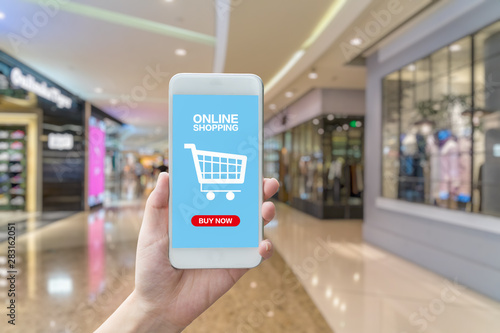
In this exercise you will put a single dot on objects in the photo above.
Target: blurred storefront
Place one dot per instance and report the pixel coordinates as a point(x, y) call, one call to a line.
point(43, 148)
point(315, 149)
point(433, 116)
point(105, 159)
point(42, 154)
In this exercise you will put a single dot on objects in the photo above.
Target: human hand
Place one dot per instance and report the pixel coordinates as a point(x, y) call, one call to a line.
point(167, 299)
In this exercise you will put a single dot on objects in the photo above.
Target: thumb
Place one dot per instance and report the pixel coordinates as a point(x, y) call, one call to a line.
point(155, 222)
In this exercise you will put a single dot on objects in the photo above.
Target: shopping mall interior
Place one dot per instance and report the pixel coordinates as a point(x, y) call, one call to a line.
point(381, 124)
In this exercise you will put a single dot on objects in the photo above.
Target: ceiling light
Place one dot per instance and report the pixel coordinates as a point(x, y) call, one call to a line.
point(328, 293)
point(327, 18)
point(283, 71)
point(312, 74)
point(455, 47)
point(356, 277)
point(336, 302)
point(321, 131)
point(180, 52)
point(113, 101)
point(272, 106)
point(315, 121)
point(356, 41)
point(98, 90)
point(2, 15)
point(343, 307)
point(412, 67)
point(169, 0)
point(289, 94)
point(330, 117)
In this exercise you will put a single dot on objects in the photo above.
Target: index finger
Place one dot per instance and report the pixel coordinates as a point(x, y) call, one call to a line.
point(271, 186)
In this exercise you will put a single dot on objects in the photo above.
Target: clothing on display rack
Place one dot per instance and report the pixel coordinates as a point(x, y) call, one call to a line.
point(432, 150)
point(411, 184)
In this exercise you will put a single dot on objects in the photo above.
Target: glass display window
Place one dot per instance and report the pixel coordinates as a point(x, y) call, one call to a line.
point(448, 126)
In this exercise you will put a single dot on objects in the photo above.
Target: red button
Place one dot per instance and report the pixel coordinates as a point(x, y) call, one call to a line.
point(215, 220)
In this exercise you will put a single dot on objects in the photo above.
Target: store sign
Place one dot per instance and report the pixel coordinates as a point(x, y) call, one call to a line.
point(60, 141)
point(29, 83)
point(96, 158)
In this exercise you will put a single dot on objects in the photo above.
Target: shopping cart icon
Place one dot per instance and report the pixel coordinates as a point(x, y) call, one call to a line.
point(218, 169)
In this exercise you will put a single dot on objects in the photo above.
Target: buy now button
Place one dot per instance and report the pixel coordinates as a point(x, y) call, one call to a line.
point(215, 220)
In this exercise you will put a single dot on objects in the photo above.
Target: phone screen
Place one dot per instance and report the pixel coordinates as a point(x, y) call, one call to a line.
point(215, 171)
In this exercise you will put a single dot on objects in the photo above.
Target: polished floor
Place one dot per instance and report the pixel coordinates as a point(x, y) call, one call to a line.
point(74, 272)
point(360, 288)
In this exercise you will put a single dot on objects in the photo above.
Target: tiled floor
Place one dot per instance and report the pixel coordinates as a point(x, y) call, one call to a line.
point(73, 273)
point(360, 288)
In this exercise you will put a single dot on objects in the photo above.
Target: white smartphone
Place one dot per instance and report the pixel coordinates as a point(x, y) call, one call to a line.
point(215, 164)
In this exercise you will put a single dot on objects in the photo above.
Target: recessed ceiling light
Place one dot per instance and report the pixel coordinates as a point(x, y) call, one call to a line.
point(289, 94)
point(412, 67)
point(169, 0)
point(312, 74)
point(455, 47)
point(98, 90)
point(2, 15)
point(113, 101)
point(356, 41)
point(272, 106)
point(180, 52)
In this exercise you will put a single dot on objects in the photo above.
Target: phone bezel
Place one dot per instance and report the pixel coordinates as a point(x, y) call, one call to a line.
point(216, 84)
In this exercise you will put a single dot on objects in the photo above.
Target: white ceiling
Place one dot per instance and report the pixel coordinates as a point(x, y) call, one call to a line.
point(82, 53)
point(86, 45)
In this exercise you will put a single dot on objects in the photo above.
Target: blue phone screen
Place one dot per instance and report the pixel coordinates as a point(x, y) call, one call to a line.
point(215, 171)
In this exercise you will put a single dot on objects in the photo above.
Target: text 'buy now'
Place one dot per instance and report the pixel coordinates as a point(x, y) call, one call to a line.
point(215, 220)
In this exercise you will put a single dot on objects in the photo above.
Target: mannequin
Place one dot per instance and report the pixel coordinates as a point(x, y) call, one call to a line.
point(464, 165)
point(411, 186)
point(449, 167)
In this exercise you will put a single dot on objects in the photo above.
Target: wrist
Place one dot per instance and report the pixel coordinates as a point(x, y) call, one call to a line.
point(132, 316)
point(150, 320)
point(153, 320)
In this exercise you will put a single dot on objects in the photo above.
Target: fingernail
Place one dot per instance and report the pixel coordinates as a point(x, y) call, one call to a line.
point(267, 247)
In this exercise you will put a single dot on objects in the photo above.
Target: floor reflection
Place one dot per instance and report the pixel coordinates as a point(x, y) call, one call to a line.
point(73, 273)
point(361, 288)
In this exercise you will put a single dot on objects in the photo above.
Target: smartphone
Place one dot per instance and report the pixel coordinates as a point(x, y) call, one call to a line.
point(215, 165)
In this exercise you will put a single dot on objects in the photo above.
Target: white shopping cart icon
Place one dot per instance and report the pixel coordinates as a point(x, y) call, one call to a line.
point(218, 169)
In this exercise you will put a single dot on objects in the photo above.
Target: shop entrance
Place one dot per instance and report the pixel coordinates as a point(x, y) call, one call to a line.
point(319, 165)
point(19, 160)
